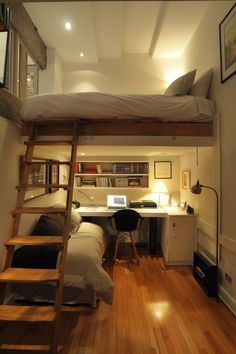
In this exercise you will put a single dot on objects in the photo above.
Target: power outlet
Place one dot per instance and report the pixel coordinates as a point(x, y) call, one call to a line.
point(228, 278)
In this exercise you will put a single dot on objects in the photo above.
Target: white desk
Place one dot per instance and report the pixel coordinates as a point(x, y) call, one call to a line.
point(105, 212)
point(154, 215)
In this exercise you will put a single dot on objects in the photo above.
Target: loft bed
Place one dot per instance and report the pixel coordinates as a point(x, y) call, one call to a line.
point(102, 114)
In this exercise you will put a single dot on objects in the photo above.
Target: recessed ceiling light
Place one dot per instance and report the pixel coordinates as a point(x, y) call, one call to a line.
point(81, 54)
point(68, 26)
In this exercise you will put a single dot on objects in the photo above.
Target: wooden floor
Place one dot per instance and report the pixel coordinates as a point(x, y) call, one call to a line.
point(155, 310)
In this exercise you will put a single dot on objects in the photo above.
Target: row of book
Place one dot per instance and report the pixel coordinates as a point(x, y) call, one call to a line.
point(111, 182)
point(109, 168)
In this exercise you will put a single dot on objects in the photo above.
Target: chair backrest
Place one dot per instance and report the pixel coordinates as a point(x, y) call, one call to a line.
point(126, 220)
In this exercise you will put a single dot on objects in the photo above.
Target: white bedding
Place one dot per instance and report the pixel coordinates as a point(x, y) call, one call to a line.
point(83, 271)
point(95, 105)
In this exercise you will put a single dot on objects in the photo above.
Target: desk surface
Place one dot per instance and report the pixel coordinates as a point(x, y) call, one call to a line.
point(144, 212)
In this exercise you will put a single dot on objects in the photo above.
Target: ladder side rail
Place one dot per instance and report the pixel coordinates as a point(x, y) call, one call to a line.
point(19, 202)
point(63, 253)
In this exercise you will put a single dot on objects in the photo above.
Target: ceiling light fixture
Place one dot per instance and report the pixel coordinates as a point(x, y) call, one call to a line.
point(81, 54)
point(68, 26)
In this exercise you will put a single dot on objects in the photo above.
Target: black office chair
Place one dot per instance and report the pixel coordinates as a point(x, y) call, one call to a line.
point(125, 220)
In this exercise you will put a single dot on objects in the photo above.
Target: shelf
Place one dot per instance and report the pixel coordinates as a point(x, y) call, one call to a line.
point(111, 174)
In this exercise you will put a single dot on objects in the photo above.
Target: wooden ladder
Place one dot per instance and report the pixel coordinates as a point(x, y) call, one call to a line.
point(38, 314)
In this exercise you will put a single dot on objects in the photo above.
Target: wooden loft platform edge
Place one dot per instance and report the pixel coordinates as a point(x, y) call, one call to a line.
point(120, 128)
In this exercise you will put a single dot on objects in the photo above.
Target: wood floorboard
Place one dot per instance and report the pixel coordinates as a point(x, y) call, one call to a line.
point(156, 310)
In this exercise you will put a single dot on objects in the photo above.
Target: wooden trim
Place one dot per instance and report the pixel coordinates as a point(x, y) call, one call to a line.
point(28, 33)
point(120, 128)
point(9, 105)
point(228, 243)
point(22, 72)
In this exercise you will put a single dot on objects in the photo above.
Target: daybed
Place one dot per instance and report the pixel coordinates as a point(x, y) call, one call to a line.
point(184, 109)
point(85, 278)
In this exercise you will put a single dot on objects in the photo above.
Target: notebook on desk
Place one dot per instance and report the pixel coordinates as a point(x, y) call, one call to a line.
point(116, 201)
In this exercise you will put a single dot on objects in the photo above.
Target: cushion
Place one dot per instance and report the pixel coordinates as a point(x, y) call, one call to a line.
point(182, 85)
point(48, 226)
point(75, 218)
point(201, 86)
point(42, 257)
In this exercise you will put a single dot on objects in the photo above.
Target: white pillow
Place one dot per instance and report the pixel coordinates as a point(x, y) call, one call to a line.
point(75, 219)
point(182, 85)
point(201, 86)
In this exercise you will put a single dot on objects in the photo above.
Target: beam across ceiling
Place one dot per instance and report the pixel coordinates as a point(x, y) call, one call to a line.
point(28, 33)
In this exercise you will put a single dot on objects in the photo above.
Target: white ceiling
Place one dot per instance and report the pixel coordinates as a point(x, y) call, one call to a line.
point(115, 150)
point(109, 29)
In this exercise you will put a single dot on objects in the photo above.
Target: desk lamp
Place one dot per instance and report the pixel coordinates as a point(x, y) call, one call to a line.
point(159, 188)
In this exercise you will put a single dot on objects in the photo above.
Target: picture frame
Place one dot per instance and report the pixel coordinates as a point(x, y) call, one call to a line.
point(38, 174)
point(162, 169)
point(227, 32)
point(186, 179)
point(53, 175)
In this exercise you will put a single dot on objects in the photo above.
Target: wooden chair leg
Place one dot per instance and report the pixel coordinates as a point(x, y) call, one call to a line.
point(116, 246)
point(134, 248)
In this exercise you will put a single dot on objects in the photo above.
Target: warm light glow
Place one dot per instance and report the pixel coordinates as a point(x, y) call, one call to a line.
point(171, 75)
point(160, 193)
point(81, 54)
point(68, 26)
point(159, 187)
point(160, 309)
point(82, 153)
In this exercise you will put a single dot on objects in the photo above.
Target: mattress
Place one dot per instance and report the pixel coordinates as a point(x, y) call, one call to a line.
point(96, 106)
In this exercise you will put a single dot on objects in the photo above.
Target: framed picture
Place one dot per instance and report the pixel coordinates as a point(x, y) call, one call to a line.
point(53, 175)
point(186, 179)
point(162, 169)
point(37, 176)
point(227, 30)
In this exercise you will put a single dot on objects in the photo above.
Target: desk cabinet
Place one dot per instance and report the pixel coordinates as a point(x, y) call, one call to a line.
point(178, 239)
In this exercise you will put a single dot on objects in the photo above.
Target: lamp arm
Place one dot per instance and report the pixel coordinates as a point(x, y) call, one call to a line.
point(217, 220)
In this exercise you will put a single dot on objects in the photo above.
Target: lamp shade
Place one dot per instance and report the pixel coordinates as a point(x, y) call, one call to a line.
point(159, 187)
point(196, 188)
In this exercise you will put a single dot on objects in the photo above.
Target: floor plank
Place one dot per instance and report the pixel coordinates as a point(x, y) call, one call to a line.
point(156, 310)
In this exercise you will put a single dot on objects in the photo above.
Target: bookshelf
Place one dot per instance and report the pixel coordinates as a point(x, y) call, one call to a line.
point(111, 175)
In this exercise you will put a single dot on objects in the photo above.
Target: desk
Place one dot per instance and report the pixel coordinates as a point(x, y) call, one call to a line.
point(152, 213)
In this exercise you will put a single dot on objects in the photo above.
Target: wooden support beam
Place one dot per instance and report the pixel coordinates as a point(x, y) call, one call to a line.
point(28, 33)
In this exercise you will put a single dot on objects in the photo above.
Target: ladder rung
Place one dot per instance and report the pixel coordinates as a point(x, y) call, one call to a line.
point(34, 240)
point(25, 347)
point(25, 186)
point(28, 275)
point(27, 313)
point(48, 142)
point(43, 210)
point(54, 162)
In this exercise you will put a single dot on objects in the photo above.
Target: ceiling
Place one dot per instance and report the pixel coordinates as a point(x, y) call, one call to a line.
point(110, 29)
point(115, 150)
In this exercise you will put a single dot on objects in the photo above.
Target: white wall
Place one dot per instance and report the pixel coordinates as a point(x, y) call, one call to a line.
point(100, 195)
point(132, 74)
point(201, 164)
point(50, 79)
point(203, 52)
